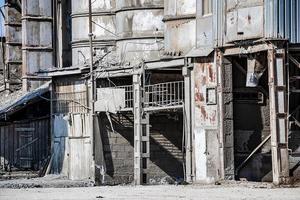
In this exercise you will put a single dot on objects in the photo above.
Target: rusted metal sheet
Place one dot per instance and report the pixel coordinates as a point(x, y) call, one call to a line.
point(244, 20)
point(36, 39)
point(135, 50)
point(204, 30)
point(124, 4)
point(180, 7)
point(13, 56)
point(82, 6)
point(104, 28)
point(276, 19)
point(180, 27)
point(140, 31)
point(180, 36)
point(70, 97)
point(205, 94)
point(72, 152)
point(24, 144)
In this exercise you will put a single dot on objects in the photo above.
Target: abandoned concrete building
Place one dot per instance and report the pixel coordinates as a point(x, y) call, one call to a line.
point(152, 91)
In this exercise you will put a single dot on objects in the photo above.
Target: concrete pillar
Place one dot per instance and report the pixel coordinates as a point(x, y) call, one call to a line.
point(137, 111)
point(278, 115)
point(225, 109)
point(188, 124)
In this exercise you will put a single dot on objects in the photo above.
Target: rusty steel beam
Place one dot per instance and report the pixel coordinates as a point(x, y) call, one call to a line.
point(252, 153)
point(278, 115)
point(294, 60)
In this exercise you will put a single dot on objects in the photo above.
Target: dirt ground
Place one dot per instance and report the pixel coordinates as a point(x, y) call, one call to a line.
point(164, 192)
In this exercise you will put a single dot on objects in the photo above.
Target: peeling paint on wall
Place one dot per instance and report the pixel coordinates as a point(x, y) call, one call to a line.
point(205, 78)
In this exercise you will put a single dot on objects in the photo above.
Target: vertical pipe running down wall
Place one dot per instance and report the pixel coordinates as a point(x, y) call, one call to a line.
point(92, 100)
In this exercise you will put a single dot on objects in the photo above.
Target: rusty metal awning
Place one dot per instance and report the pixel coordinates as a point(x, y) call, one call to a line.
point(165, 64)
point(23, 100)
point(247, 50)
point(199, 52)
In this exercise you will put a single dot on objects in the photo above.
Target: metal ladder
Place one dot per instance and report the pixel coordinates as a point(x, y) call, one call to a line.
point(141, 133)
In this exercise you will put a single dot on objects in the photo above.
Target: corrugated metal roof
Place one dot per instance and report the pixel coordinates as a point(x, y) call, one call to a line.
point(24, 99)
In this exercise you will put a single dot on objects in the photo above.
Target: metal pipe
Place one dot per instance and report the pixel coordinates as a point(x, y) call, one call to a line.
point(91, 56)
point(92, 81)
point(54, 26)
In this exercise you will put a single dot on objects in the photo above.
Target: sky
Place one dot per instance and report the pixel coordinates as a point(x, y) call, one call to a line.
point(1, 19)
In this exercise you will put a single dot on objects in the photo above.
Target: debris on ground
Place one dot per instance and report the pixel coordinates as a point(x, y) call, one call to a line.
point(49, 181)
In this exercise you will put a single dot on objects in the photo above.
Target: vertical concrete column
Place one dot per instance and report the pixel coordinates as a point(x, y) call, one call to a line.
point(188, 124)
point(278, 115)
point(225, 101)
point(137, 111)
point(220, 86)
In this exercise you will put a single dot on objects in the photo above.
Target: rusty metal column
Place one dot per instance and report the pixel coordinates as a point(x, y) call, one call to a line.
point(137, 112)
point(278, 115)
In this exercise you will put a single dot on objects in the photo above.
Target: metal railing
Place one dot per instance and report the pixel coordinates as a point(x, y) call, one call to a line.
point(161, 95)
point(164, 94)
point(128, 95)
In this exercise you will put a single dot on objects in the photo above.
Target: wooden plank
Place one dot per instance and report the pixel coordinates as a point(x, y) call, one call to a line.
point(23, 129)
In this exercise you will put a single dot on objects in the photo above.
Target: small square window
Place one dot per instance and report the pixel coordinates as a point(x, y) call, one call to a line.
point(206, 7)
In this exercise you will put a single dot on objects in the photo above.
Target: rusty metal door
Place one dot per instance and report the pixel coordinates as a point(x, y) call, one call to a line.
point(25, 149)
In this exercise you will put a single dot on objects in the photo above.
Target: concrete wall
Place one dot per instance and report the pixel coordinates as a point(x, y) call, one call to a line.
point(165, 146)
point(206, 143)
point(117, 149)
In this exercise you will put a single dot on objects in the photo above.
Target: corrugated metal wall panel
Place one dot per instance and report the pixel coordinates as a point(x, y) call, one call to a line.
point(282, 19)
point(10, 142)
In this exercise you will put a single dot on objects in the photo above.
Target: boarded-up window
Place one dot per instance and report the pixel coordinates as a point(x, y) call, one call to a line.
point(206, 7)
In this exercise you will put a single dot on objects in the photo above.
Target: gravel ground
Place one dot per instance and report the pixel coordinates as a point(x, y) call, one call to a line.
point(49, 181)
point(165, 192)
